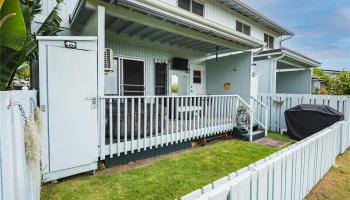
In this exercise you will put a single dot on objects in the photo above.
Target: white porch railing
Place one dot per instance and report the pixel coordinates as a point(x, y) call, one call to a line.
point(261, 113)
point(134, 123)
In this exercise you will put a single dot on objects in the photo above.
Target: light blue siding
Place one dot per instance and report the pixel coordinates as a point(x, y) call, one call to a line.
point(148, 51)
point(264, 68)
point(222, 70)
point(294, 82)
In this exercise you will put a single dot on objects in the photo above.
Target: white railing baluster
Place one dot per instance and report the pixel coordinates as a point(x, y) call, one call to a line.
point(202, 116)
point(144, 124)
point(125, 125)
point(186, 113)
point(151, 124)
point(156, 124)
point(118, 128)
point(177, 121)
point(132, 124)
point(205, 116)
point(138, 124)
point(194, 117)
point(110, 128)
point(167, 120)
point(190, 118)
point(182, 119)
point(172, 119)
point(162, 122)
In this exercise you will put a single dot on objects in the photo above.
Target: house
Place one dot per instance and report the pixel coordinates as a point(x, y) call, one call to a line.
point(105, 83)
point(283, 70)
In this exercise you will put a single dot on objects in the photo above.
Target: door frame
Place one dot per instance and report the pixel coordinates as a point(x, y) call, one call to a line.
point(119, 57)
point(203, 78)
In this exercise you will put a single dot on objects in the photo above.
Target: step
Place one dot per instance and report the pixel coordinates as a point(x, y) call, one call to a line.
point(243, 134)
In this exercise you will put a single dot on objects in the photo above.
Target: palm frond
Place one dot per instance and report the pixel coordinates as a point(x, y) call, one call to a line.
point(51, 25)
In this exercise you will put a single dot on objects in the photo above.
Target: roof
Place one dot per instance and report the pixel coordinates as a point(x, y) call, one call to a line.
point(290, 55)
point(256, 16)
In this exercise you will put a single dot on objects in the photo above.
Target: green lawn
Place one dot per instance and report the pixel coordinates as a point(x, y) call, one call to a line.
point(170, 178)
point(278, 136)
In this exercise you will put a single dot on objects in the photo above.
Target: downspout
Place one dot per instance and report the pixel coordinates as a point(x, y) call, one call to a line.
point(285, 39)
point(274, 62)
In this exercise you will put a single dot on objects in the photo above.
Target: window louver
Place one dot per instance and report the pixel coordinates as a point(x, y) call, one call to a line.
point(197, 8)
point(184, 4)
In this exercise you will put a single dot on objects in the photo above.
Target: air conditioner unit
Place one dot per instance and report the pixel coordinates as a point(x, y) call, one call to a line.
point(108, 60)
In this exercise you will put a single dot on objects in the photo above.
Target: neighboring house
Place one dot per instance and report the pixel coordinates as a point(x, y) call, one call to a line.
point(318, 84)
point(139, 49)
point(284, 71)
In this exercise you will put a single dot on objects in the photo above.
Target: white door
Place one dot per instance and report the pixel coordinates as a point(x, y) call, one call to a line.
point(198, 80)
point(72, 95)
point(255, 85)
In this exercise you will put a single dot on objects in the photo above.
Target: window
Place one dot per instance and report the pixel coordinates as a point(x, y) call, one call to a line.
point(161, 79)
point(243, 28)
point(197, 78)
point(194, 6)
point(269, 40)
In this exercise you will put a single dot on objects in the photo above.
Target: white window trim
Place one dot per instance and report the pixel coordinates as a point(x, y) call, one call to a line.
point(120, 78)
point(243, 23)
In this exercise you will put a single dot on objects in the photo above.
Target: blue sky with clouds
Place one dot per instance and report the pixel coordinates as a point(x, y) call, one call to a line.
point(322, 27)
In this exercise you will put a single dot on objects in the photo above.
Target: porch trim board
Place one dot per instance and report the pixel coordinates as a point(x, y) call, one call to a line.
point(135, 123)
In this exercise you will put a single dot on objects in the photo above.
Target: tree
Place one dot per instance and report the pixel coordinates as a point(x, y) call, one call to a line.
point(18, 43)
point(339, 85)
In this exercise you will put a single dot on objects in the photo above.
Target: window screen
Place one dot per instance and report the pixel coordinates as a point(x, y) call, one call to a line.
point(197, 8)
point(184, 4)
point(197, 78)
point(269, 40)
point(161, 79)
point(239, 26)
point(243, 28)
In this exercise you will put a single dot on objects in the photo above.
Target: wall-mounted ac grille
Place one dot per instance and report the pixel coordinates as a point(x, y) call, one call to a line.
point(108, 59)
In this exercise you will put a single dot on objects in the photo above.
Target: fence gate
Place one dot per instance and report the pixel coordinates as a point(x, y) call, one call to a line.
point(68, 97)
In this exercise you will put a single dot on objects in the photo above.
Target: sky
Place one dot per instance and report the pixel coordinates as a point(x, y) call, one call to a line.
point(321, 27)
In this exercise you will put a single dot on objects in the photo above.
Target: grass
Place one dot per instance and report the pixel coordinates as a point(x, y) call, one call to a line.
point(278, 136)
point(170, 178)
point(336, 184)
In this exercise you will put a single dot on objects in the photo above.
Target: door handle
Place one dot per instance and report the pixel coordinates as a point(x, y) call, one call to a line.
point(93, 101)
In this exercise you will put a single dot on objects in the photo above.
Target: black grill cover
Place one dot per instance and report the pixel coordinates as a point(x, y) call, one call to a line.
point(306, 119)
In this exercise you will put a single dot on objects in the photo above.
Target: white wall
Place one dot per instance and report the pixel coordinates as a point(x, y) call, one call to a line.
point(217, 12)
point(222, 70)
point(295, 82)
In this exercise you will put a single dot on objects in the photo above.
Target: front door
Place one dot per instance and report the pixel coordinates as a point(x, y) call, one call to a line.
point(132, 77)
point(72, 110)
point(198, 80)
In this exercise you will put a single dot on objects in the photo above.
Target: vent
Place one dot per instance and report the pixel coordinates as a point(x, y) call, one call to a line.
point(108, 59)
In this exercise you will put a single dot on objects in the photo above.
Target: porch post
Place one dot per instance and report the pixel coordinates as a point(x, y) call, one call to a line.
point(100, 75)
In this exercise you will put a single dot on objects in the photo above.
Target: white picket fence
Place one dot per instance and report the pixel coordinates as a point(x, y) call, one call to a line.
point(15, 177)
point(279, 103)
point(288, 174)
